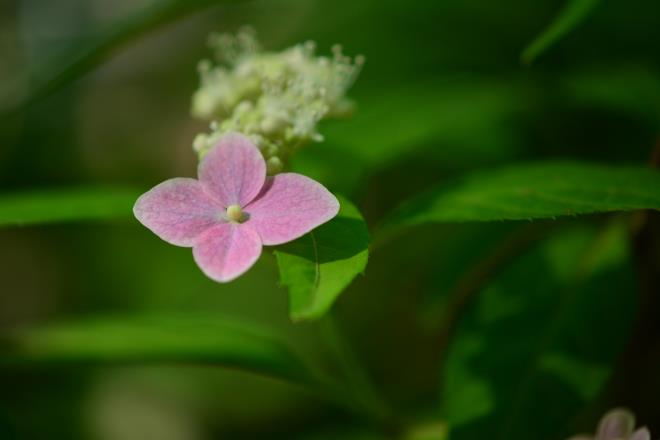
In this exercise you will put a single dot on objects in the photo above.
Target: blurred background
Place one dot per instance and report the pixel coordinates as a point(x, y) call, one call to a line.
point(443, 92)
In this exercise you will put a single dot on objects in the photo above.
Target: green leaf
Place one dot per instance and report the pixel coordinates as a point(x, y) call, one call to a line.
point(154, 339)
point(455, 112)
point(51, 206)
point(533, 191)
point(455, 122)
point(629, 89)
point(571, 295)
point(571, 15)
point(317, 267)
point(107, 43)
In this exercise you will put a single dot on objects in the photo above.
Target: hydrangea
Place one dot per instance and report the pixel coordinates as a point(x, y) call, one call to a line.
point(618, 424)
point(275, 98)
point(233, 209)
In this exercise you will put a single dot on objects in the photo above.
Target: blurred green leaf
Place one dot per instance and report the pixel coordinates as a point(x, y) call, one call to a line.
point(342, 432)
point(67, 205)
point(630, 89)
point(538, 344)
point(453, 121)
point(189, 339)
point(470, 254)
point(317, 267)
point(455, 112)
point(107, 43)
point(427, 431)
point(571, 15)
point(533, 191)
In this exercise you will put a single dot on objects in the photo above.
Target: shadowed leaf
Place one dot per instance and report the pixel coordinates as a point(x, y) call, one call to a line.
point(153, 339)
point(107, 42)
point(317, 267)
point(65, 205)
point(503, 383)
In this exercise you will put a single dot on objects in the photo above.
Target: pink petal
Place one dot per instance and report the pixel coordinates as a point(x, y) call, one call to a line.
point(616, 424)
point(234, 170)
point(641, 434)
point(226, 251)
point(289, 206)
point(178, 210)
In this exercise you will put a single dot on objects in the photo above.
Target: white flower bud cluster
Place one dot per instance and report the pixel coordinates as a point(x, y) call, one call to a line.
point(275, 98)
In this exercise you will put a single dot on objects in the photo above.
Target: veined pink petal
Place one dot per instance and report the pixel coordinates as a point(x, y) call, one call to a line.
point(178, 210)
point(226, 251)
point(289, 206)
point(234, 170)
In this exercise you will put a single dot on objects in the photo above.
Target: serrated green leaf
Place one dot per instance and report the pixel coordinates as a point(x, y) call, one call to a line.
point(317, 267)
point(571, 294)
point(571, 15)
point(63, 205)
point(533, 191)
point(154, 339)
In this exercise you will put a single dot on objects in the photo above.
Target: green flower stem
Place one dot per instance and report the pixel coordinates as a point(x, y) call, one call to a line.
point(357, 376)
point(339, 394)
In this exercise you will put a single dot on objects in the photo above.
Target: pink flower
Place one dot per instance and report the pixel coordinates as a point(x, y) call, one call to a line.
point(233, 209)
point(618, 424)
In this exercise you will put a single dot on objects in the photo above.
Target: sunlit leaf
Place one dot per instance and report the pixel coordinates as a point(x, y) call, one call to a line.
point(317, 267)
point(63, 205)
point(571, 297)
point(189, 339)
point(533, 191)
point(571, 15)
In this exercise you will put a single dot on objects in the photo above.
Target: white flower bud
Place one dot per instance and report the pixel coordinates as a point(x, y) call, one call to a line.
point(275, 98)
point(274, 165)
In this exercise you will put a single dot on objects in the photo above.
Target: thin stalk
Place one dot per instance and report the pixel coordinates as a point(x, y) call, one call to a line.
point(361, 385)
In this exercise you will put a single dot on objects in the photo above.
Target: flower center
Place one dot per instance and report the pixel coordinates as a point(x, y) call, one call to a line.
point(235, 213)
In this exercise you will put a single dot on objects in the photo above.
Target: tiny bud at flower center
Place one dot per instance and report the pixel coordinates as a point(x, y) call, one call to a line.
point(235, 213)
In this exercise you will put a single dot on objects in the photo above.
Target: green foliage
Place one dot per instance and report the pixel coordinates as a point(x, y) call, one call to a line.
point(64, 205)
point(521, 323)
point(448, 120)
point(629, 90)
point(534, 191)
point(571, 15)
point(392, 123)
point(154, 339)
point(107, 42)
point(317, 267)
point(503, 382)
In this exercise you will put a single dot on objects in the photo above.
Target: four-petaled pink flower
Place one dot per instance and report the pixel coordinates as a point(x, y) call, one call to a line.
point(233, 209)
